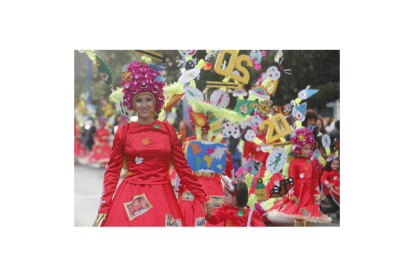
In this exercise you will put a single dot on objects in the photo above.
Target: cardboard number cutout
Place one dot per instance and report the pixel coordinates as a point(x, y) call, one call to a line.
point(235, 62)
point(274, 126)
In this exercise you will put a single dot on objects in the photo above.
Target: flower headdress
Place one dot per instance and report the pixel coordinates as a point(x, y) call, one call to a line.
point(331, 157)
point(301, 137)
point(138, 78)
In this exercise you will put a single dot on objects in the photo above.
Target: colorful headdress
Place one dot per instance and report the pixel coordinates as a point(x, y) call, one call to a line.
point(227, 183)
point(138, 78)
point(301, 137)
point(331, 157)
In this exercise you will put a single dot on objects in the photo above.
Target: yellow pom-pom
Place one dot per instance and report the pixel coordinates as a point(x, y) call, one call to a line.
point(200, 63)
point(91, 54)
point(298, 124)
point(226, 79)
point(322, 160)
point(265, 82)
point(252, 200)
point(116, 95)
point(266, 177)
point(257, 141)
point(146, 59)
point(217, 139)
point(297, 100)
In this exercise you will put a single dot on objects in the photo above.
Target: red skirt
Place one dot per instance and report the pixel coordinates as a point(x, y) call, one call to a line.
point(100, 153)
point(80, 150)
point(306, 209)
point(193, 210)
point(144, 205)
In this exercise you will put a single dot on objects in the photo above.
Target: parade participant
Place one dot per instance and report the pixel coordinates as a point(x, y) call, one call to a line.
point(302, 201)
point(320, 125)
point(80, 150)
point(335, 135)
point(145, 197)
point(101, 150)
point(235, 211)
point(310, 118)
point(193, 210)
point(330, 181)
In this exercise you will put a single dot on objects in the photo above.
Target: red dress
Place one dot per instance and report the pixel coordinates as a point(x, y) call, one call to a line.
point(101, 151)
point(232, 216)
point(328, 178)
point(254, 151)
point(304, 173)
point(145, 197)
point(80, 150)
point(193, 210)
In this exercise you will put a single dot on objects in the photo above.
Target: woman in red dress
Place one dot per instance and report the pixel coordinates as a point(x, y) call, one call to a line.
point(302, 201)
point(145, 197)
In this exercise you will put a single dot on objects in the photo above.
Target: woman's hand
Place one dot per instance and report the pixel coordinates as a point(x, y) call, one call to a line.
point(98, 219)
point(292, 198)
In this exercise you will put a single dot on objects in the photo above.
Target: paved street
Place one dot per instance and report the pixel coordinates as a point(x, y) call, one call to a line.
point(88, 189)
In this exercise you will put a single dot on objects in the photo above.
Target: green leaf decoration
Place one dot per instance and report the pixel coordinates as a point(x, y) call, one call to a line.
point(104, 70)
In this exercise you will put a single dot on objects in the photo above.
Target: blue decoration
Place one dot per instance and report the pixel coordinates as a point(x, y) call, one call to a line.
point(206, 156)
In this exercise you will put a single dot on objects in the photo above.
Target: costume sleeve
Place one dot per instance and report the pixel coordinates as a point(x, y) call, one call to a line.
point(218, 215)
point(113, 172)
point(315, 180)
point(292, 173)
point(256, 220)
point(187, 178)
point(325, 177)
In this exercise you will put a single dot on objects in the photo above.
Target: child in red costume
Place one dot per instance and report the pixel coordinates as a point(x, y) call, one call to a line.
point(101, 150)
point(235, 211)
point(302, 201)
point(330, 180)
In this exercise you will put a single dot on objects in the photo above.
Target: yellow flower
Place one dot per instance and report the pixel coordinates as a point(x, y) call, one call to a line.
point(127, 76)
